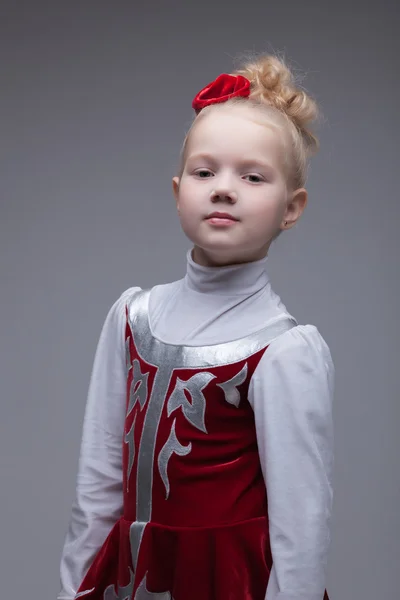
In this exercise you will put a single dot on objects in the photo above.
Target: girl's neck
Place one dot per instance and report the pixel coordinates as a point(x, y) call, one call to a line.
point(231, 280)
point(204, 258)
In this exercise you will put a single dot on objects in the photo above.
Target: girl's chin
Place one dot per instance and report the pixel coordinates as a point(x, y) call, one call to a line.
point(214, 256)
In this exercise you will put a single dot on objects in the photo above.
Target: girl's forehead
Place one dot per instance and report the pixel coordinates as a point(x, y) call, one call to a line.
point(234, 129)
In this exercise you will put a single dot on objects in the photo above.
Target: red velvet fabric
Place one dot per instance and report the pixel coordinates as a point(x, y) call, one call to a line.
point(224, 563)
point(230, 562)
point(208, 539)
point(221, 89)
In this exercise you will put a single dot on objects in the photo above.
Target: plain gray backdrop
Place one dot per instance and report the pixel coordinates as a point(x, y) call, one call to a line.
point(95, 99)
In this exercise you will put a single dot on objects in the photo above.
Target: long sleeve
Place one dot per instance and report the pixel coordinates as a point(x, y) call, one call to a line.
point(291, 393)
point(98, 502)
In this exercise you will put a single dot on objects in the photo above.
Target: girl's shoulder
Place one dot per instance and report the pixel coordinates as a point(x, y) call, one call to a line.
point(301, 344)
point(296, 363)
point(117, 312)
point(300, 340)
point(126, 295)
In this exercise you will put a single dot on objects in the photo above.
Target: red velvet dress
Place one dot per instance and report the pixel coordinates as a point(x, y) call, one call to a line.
point(195, 518)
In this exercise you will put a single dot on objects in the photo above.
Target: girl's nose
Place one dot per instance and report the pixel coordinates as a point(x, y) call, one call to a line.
point(223, 193)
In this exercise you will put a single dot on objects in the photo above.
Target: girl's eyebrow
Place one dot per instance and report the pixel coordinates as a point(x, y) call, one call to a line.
point(248, 162)
point(257, 163)
point(202, 156)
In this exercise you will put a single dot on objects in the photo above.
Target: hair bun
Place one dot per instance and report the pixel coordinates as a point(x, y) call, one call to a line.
point(273, 83)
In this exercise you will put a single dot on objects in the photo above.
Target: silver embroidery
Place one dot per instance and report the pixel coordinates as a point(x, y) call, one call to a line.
point(142, 593)
point(138, 389)
point(84, 593)
point(156, 352)
point(146, 451)
point(171, 446)
point(136, 531)
point(128, 356)
point(130, 440)
point(124, 592)
point(194, 411)
point(229, 387)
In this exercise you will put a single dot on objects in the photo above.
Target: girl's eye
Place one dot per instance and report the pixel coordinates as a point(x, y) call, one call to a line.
point(203, 173)
point(254, 178)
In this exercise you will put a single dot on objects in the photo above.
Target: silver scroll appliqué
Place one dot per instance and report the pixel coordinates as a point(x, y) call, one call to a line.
point(194, 411)
point(128, 365)
point(142, 593)
point(138, 389)
point(84, 593)
point(130, 440)
point(124, 592)
point(137, 392)
point(229, 387)
point(171, 446)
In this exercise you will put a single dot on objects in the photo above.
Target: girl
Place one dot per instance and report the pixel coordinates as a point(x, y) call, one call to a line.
point(206, 463)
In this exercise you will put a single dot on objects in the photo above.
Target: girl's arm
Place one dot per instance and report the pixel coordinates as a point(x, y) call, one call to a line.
point(291, 393)
point(98, 501)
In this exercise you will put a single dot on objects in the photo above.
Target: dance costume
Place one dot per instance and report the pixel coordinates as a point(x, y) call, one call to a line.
point(207, 452)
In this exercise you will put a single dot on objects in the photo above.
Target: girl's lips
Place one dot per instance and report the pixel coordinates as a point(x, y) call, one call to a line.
point(221, 215)
point(221, 221)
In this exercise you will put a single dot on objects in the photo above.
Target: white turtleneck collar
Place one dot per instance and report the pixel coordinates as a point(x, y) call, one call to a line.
point(213, 305)
point(242, 279)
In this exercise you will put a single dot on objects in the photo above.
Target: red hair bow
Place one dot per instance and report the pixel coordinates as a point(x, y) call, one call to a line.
point(220, 90)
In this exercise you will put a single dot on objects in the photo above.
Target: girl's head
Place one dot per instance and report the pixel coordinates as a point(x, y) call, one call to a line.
point(246, 156)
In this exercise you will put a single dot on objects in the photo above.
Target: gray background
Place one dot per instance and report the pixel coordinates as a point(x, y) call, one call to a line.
point(95, 100)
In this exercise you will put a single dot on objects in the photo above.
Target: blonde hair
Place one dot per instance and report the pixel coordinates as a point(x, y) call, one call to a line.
point(275, 92)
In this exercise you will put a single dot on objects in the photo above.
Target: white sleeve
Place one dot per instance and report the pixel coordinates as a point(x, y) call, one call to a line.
point(291, 393)
point(99, 498)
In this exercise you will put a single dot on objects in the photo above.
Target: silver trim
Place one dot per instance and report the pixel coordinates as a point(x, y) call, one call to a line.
point(153, 350)
point(229, 387)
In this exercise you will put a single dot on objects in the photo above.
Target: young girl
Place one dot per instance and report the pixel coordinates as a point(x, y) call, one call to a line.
point(206, 463)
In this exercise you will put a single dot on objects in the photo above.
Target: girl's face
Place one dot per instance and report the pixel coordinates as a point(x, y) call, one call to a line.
point(234, 164)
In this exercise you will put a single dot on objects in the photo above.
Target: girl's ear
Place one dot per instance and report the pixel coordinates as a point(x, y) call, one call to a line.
point(294, 208)
point(175, 188)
